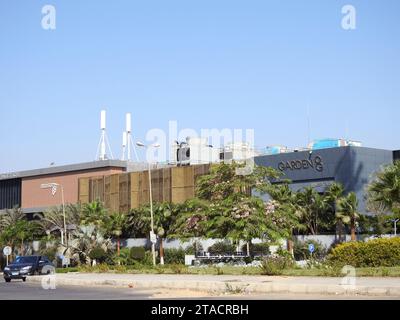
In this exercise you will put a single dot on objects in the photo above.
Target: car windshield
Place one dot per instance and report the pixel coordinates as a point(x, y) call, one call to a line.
point(24, 260)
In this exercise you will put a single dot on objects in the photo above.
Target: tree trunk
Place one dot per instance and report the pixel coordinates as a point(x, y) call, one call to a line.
point(340, 229)
point(118, 247)
point(161, 251)
point(353, 230)
point(248, 248)
point(290, 246)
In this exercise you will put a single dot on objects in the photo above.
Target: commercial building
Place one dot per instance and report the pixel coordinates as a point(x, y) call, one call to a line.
point(353, 167)
point(124, 185)
point(23, 189)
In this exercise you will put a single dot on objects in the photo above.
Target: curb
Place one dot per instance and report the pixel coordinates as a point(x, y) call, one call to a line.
point(219, 287)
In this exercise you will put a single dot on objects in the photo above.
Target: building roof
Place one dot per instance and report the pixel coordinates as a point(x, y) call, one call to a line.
point(67, 168)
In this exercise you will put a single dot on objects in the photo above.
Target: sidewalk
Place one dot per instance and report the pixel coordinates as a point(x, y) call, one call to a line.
point(388, 287)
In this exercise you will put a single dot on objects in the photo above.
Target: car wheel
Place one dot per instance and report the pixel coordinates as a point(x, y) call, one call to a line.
point(8, 280)
point(24, 279)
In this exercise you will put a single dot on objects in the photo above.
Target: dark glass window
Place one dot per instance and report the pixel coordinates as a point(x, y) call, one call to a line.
point(10, 193)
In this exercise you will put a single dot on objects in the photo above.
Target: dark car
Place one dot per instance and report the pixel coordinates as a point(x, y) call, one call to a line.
point(26, 266)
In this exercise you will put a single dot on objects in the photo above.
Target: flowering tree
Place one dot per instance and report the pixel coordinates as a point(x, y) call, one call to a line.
point(227, 207)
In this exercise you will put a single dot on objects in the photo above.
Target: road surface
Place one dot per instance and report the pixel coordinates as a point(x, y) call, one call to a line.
point(18, 290)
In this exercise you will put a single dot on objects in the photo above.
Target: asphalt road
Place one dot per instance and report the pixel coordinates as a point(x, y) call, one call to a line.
point(18, 290)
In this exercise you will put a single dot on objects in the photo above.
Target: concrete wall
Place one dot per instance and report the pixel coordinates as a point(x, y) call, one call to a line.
point(326, 240)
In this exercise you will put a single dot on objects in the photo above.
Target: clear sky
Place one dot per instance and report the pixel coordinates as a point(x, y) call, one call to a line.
point(207, 64)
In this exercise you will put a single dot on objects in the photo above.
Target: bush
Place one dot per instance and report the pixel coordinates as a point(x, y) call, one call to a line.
point(221, 248)
point(50, 253)
point(302, 252)
point(374, 253)
point(174, 256)
point(273, 266)
point(258, 249)
point(148, 259)
point(194, 248)
point(98, 254)
point(137, 254)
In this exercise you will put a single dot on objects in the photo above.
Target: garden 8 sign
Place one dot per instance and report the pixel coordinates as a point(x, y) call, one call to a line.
point(316, 164)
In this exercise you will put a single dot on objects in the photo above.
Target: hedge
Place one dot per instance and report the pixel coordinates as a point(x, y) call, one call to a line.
point(373, 253)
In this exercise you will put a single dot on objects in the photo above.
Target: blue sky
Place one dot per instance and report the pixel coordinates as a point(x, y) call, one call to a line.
point(207, 64)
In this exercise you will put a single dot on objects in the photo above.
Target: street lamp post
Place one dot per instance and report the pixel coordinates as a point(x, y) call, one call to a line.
point(395, 226)
point(152, 235)
point(53, 187)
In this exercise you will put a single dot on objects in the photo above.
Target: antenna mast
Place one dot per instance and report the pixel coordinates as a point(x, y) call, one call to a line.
point(127, 141)
point(104, 143)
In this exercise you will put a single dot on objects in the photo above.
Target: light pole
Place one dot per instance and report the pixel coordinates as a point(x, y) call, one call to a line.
point(395, 226)
point(152, 234)
point(53, 186)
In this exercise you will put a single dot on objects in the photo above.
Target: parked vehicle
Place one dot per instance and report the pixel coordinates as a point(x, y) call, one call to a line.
point(26, 266)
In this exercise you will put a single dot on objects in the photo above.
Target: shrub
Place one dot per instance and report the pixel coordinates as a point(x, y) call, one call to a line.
point(50, 253)
point(98, 254)
point(273, 266)
point(174, 256)
point(178, 268)
point(137, 254)
point(123, 258)
point(257, 249)
point(194, 248)
point(221, 248)
point(148, 259)
point(302, 252)
point(374, 253)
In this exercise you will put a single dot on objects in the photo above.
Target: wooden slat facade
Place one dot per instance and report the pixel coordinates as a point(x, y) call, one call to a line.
point(126, 191)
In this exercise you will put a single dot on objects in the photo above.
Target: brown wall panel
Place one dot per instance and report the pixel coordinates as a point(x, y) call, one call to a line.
point(123, 192)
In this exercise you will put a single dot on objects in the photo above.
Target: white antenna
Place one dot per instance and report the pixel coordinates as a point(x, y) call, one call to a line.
point(128, 140)
point(104, 143)
point(124, 141)
point(308, 125)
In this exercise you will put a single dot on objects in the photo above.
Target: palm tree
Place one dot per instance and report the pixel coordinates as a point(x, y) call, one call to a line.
point(347, 212)
point(10, 217)
point(311, 206)
point(287, 200)
point(333, 196)
point(385, 189)
point(116, 224)
point(85, 239)
point(95, 214)
point(53, 219)
point(164, 221)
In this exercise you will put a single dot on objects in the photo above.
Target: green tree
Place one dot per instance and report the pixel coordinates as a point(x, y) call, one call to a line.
point(164, 218)
point(284, 204)
point(234, 210)
point(11, 216)
point(311, 207)
point(384, 191)
point(334, 194)
point(95, 214)
point(53, 219)
point(116, 223)
point(19, 232)
point(347, 212)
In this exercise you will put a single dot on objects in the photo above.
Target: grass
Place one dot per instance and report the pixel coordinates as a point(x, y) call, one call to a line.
point(229, 270)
